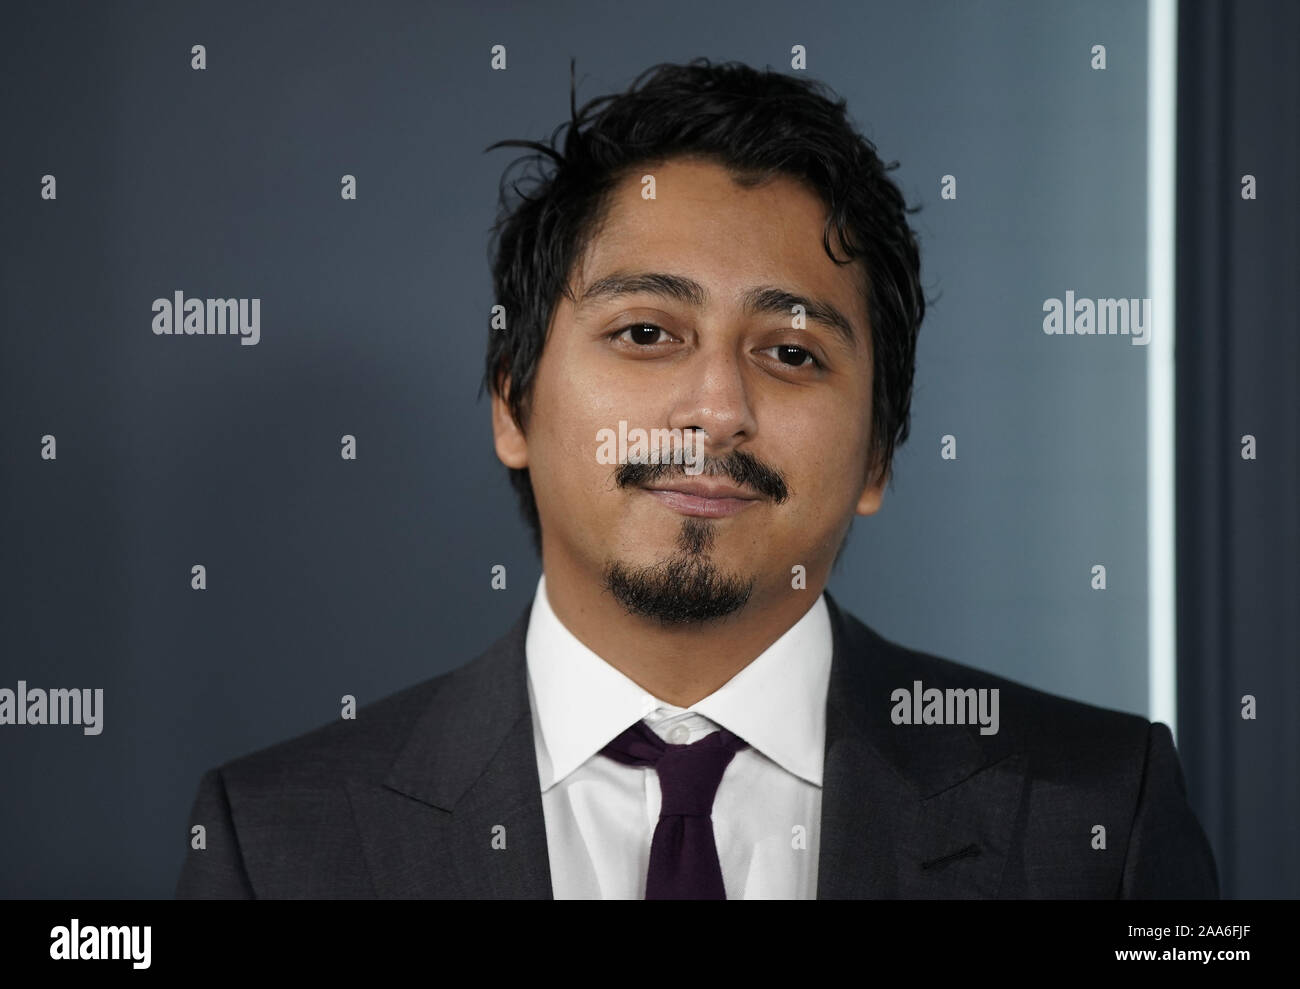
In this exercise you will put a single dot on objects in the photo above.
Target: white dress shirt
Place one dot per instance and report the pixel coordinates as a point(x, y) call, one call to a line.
point(601, 814)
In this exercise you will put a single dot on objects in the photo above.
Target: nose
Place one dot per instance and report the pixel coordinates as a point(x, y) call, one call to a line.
point(711, 396)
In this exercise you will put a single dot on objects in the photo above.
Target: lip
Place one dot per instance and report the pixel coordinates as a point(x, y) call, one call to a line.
point(702, 499)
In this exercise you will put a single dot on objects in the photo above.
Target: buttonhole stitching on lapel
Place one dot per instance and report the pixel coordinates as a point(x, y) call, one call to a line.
point(968, 852)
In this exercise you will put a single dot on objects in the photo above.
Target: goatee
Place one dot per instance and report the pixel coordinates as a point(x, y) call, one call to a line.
point(687, 588)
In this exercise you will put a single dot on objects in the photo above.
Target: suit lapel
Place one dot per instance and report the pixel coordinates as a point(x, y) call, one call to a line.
point(909, 811)
point(459, 814)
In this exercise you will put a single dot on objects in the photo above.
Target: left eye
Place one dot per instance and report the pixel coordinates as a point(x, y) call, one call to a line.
point(792, 355)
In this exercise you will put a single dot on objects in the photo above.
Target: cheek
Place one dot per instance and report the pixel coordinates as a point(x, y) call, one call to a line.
point(831, 480)
point(568, 415)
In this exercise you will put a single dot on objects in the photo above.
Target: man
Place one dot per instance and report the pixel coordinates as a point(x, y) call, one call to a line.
point(717, 259)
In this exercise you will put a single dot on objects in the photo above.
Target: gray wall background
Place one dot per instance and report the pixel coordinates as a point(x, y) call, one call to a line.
point(328, 577)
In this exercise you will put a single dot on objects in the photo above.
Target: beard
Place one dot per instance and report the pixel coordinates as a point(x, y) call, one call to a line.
point(687, 588)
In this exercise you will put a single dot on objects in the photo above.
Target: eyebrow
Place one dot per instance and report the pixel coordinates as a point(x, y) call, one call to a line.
point(768, 299)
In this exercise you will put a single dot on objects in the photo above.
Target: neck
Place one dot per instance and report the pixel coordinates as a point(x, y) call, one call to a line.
point(680, 664)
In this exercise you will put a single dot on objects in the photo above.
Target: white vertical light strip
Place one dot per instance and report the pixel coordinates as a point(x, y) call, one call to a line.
point(1162, 101)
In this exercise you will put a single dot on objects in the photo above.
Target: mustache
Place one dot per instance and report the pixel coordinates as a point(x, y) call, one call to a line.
point(744, 469)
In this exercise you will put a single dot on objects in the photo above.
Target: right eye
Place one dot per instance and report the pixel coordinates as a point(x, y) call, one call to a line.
point(642, 334)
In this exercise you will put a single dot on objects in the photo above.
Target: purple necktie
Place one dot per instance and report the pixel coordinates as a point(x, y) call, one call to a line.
point(683, 856)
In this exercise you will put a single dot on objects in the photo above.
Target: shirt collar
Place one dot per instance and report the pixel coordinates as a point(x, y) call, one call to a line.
point(580, 702)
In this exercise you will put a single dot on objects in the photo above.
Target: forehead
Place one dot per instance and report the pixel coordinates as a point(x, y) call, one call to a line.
point(727, 235)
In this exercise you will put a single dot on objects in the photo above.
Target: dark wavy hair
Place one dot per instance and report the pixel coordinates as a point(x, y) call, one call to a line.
point(757, 125)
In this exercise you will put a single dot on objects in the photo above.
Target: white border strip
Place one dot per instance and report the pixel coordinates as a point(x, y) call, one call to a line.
point(1162, 102)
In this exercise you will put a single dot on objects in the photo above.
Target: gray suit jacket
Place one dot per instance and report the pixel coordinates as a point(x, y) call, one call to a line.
point(402, 802)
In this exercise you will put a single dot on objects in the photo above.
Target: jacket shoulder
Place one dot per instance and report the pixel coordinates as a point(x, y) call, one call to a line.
point(280, 822)
point(364, 745)
point(367, 745)
point(1087, 778)
point(1028, 709)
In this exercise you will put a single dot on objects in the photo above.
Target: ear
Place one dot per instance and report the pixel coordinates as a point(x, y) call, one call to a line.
point(873, 493)
point(511, 445)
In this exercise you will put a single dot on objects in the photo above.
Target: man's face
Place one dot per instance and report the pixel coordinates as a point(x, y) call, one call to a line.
point(785, 408)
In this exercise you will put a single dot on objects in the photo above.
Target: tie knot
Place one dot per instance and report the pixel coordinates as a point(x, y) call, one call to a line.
point(688, 774)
